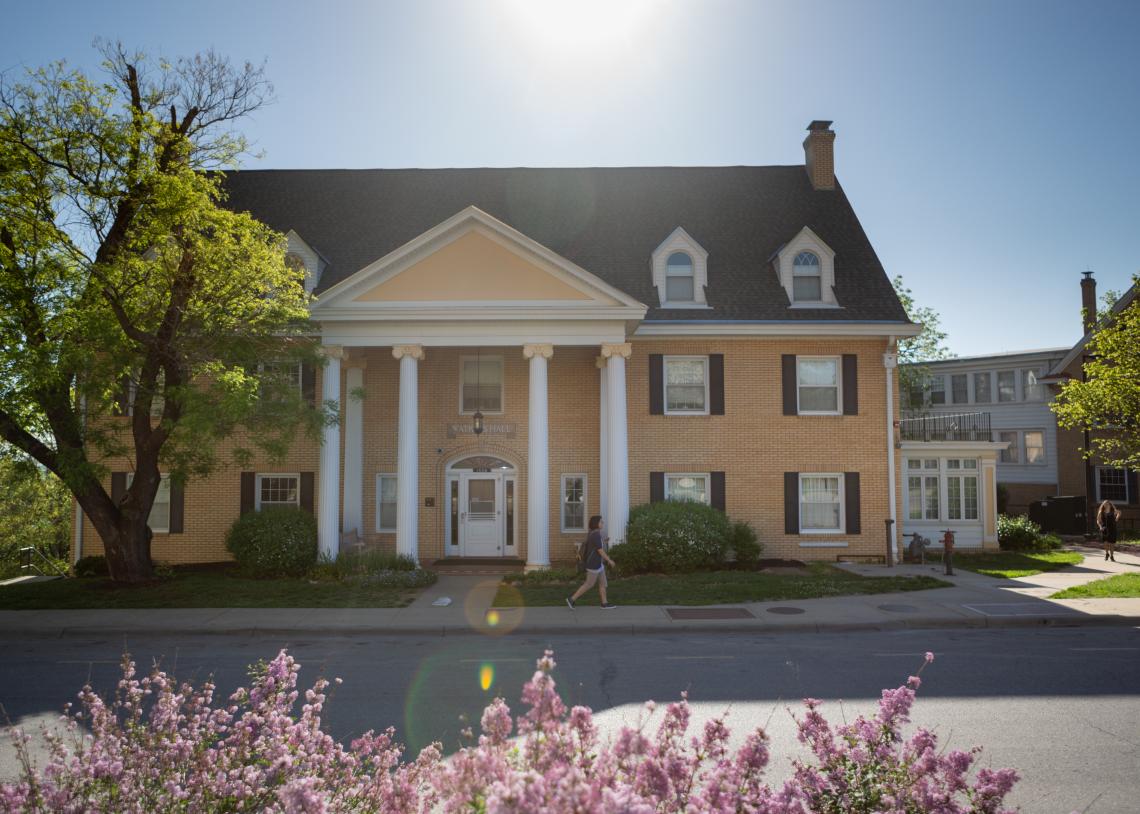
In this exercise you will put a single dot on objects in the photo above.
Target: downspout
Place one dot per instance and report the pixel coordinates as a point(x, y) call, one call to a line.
point(890, 361)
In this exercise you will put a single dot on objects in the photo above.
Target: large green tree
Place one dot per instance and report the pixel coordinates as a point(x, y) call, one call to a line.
point(927, 346)
point(1107, 401)
point(34, 509)
point(134, 307)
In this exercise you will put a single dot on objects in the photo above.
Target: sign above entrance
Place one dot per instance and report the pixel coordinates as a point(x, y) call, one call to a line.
point(500, 428)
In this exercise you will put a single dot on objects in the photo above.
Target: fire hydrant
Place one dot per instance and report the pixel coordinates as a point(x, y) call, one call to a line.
point(948, 550)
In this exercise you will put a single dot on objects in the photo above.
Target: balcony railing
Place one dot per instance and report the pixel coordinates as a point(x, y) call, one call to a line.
point(957, 427)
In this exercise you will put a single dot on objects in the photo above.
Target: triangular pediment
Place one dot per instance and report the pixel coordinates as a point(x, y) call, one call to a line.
point(469, 261)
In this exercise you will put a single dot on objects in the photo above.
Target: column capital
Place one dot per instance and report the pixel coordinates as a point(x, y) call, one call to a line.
point(334, 352)
point(544, 350)
point(622, 349)
point(600, 362)
point(414, 351)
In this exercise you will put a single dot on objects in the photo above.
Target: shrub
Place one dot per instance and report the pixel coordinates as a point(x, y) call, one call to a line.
point(163, 745)
point(281, 541)
point(94, 565)
point(743, 543)
point(631, 558)
point(679, 536)
point(1022, 534)
point(1002, 498)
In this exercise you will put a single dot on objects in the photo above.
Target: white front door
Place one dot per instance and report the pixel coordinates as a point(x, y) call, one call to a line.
point(481, 515)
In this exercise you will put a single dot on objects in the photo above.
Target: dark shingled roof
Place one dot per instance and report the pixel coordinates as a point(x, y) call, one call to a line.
point(607, 220)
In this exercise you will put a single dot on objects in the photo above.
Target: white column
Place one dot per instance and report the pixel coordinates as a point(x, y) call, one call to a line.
point(538, 461)
point(408, 453)
point(619, 440)
point(603, 441)
point(354, 447)
point(328, 502)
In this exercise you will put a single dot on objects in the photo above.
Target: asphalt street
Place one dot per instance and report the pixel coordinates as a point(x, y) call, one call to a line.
point(1060, 705)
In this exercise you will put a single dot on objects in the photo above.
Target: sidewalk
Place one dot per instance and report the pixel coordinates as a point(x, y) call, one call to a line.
point(974, 601)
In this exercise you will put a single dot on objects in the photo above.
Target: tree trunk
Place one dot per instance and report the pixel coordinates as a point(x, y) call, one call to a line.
point(126, 538)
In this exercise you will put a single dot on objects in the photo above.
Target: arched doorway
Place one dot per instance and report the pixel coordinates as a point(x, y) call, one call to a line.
point(481, 507)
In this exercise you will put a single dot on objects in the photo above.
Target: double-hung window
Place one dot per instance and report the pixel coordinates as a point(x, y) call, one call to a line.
point(807, 279)
point(1112, 484)
point(280, 377)
point(821, 502)
point(959, 392)
point(817, 385)
point(481, 385)
point(688, 486)
point(1031, 388)
point(573, 502)
point(1007, 385)
point(938, 390)
point(686, 385)
point(679, 285)
point(278, 490)
point(386, 502)
point(961, 489)
point(1012, 453)
point(1034, 447)
point(159, 517)
point(983, 393)
point(923, 488)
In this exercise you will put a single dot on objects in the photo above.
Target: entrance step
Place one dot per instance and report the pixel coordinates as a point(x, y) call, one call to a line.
point(490, 566)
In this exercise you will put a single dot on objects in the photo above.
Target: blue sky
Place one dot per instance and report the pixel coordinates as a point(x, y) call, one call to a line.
point(989, 148)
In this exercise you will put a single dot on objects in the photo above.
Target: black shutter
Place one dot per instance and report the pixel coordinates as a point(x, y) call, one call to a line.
point(248, 482)
point(791, 503)
point(307, 491)
point(118, 486)
point(309, 384)
point(851, 501)
point(177, 506)
point(656, 487)
point(717, 490)
point(656, 384)
point(1133, 495)
point(788, 374)
point(716, 384)
point(850, 384)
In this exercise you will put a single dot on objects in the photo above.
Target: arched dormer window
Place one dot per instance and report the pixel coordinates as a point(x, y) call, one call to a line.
point(679, 278)
point(807, 283)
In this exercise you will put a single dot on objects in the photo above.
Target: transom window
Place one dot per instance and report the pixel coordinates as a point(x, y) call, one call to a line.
point(807, 278)
point(386, 502)
point(278, 490)
point(679, 285)
point(686, 385)
point(821, 502)
point(817, 380)
point(481, 385)
point(687, 486)
point(573, 502)
point(159, 517)
point(1112, 484)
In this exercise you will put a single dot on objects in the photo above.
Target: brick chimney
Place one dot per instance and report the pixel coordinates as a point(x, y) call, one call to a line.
point(1088, 300)
point(819, 155)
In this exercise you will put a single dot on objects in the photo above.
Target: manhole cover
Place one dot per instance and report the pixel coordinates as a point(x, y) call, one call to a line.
point(709, 613)
point(785, 610)
point(898, 608)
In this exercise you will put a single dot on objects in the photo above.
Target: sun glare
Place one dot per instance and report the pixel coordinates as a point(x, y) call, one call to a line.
point(581, 28)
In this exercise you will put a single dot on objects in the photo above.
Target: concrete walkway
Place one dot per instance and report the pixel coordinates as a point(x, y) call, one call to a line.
point(973, 601)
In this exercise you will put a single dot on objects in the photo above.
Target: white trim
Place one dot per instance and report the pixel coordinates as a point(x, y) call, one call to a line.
point(562, 503)
point(379, 492)
point(486, 329)
point(807, 241)
point(665, 384)
point(707, 476)
point(841, 478)
point(799, 327)
point(502, 383)
point(838, 360)
point(1128, 497)
point(680, 241)
point(257, 487)
point(828, 544)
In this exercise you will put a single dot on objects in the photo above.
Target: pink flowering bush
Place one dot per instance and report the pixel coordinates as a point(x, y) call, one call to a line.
point(158, 746)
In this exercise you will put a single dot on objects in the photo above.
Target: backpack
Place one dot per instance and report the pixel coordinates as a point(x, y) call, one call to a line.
point(582, 555)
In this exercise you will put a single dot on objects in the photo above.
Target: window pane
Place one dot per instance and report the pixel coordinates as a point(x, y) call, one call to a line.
point(959, 390)
point(279, 491)
point(678, 289)
point(1013, 454)
point(509, 488)
point(687, 487)
point(819, 399)
point(1029, 386)
point(480, 497)
point(1034, 448)
point(953, 463)
point(930, 463)
point(954, 498)
point(1007, 388)
point(455, 512)
point(685, 384)
point(817, 372)
point(819, 502)
point(938, 390)
point(1111, 485)
point(805, 263)
point(573, 503)
point(971, 507)
point(807, 289)
point(387, 517)
point(818, 385)
point(679, 264)
point(914, 498)
point(982, 388)
point(970, 463)
point(931, 498)
point(913, 463)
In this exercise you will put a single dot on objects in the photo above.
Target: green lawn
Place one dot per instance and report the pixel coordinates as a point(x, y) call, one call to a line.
point(203, 589)
point(1119, 586)
point(711, 588)
point(1009, 564)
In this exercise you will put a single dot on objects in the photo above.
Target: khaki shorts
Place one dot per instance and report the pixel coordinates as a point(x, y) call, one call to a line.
point(598, 576)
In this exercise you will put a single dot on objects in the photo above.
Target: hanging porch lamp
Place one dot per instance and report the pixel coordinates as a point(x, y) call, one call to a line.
point(477, 423)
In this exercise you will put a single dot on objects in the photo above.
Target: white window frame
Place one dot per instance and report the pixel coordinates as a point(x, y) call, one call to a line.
point(1044, 460)
point(841, 478)
point(818, 274)
point(930, 390)
point(997, 387)
point(1128, 498)
point(163, 479)
point(1014, 447)
point(950, 389)
point(838, 385)
point(665, 360)
point(692, 275)
point(257, 487)
point(960, 473)
point(808, 241)
point(681, 241)
point(380, 476)
point(502, 383)
point(564, 503)
point(706, 476)
point(988, 375)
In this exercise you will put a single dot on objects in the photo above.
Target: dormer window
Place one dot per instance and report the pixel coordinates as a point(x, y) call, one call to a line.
point(807, 283)
point(679, 278)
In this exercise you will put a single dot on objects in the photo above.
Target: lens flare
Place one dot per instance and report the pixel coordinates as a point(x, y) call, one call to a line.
point(492, 618)
point(486, 676)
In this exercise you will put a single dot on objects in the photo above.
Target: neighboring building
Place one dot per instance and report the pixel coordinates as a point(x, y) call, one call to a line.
point(1077, 474)
point(1007, 387)
point(624, 335)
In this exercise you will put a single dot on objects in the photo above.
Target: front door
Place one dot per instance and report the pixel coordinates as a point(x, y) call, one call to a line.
point(481, 515)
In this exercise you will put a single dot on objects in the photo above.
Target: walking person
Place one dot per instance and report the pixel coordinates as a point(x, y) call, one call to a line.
point(595, 557)
point(1106, 518)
